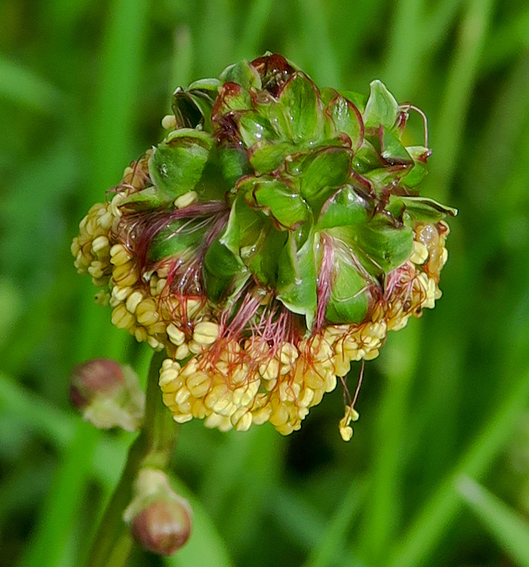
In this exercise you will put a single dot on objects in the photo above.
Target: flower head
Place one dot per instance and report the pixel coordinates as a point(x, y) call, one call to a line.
point(273, 237)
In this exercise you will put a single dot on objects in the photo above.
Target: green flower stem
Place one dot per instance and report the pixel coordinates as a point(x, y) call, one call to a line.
point(153, 447)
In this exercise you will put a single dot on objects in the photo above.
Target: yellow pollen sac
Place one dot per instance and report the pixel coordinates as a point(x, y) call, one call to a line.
point(100, 244)
point(176, 336)
point(181, 352)
point(241, 419)
point(346, 431)
point(195, 347)
point(419, 254)
point(146, 312)
point(198, 384)
point(269, 371)
point(182, 395)
point(141, 334)
point(223, 423)
point(206, 333)
point(105, 219)
point(133, 300)
point(306, 397)
point(289, 353)
point(119, 255)
point(183, 418)
point(279, 415)
point(262, 415)
point(186, 199)
point(121, 318)
point(169, 122)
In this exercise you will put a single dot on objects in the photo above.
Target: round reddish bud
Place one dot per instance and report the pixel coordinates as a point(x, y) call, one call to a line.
point(94, 377)
point(163, 526)
point(107, 394)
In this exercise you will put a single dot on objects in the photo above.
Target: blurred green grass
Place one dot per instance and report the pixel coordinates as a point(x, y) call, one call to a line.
point(83, 87)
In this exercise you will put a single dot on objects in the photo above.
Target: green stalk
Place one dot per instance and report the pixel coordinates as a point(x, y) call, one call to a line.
point(153, 447)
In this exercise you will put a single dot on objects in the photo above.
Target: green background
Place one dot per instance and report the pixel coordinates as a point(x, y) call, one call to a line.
point(437, 472)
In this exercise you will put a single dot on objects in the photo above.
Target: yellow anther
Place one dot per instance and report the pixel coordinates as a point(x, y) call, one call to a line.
point(154, 343)
point(189, 368)
point(119, 255)
point(146, 312)
point(330, 382)
point(120, 293)
point(279, 416)
point(193, 307)
point(105, 220)
point(169, 122)
point(186, 199)
point(419, 254)
point(121, 318)
point(195, 347)
point(181, 352)
point(183, 418)
point(141, 334)
point(289, 353)
point(133, 300)
point(306, 397)
point(182, 396)
point(346, 432)
point(176, 336)
point(198, 384)
point(241, 420)
point(269, 371)
point(206, 333)
point(100, 244)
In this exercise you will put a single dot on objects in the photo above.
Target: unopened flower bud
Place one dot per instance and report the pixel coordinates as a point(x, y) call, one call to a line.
point(160, 519)
point(107, 394)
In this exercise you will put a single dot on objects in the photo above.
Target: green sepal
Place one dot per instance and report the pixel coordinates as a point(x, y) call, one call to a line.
point(346, 207)
point(366, 158)
point(264, 262)
point(234, 164)
point(422, 208)
point(266, 157)
point(296, 280)
point(206, 86)
point(323, 171)
point(254, 127)
point(250, 235)
point(243, 74)
point(176, 239)
point(358, 99)
point(278, 201)
point(192, 106)
point(347, 119)
point(383, 245)
point(383, 177)
point(381, 108)
point(299, 101)
point(391, 148)
point(221, 261)
point(222, 269)
point(149, 198)
point(420, 155)
point(349, 301)
point(232, 97)
point(176, 165)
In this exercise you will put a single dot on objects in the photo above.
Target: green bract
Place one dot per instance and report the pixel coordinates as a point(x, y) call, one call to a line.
point(317, 186)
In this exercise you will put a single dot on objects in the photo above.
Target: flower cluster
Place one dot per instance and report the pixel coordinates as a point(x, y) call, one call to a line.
point(274, 236)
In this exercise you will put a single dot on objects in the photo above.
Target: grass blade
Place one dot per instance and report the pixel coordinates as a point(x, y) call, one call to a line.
point(505, 525)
